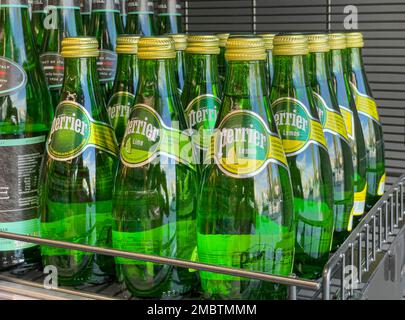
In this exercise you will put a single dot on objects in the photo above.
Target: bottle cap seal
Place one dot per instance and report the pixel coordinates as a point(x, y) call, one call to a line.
point(268, 39)
point(155, 48)
point(318, 43)
point(245, 49)
point(80, 47)
point(223, 38)
point(127, 44)
point(180, 41)
point(203, 44)
point(290, 45)
point(354, 40)
point(337, 41)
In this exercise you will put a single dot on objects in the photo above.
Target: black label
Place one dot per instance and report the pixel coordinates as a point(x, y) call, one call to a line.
point(20, 162)
point(53, 66)
point(64, 3)
point(106, 65)
point(85, 6)
point(12, 77)
point(106, 5)
point(38, 5)
point(21, 3)
point(169, 7)
point(144, 6)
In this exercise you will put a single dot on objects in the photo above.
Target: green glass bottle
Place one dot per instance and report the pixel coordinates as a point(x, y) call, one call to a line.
point(245, 211)
point(223, 37)
point(25, 120)
point(369, 119)
point(140, 19)
point(170, 17)
point(180, 44)
point(268, 43)
point(106, 25)
point(155, 189)
point(125, 84)
point(37, 20)
point(124, 10)
point(85, 12)
point(78, 170)
point(340, 79)
point(336, 136)
point(67, 23)
point(305, 146)
point(202, 92)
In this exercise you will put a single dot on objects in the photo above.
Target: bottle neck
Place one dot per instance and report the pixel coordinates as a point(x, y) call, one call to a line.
point(355, 59)
point(356, 71)
point(127, 73)
point(318, 67)
point(157, 76)
point(246, 79)
point(290, 71)
point(202, 69)
point(338, 61)
point(106, 21)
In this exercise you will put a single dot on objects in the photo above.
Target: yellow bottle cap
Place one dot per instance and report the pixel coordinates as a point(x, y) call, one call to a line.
point(245, 49)
point(223, 38)
point(180, 41)
point(268, 39)
point(337, 41)
point(290, 45)
point(355, 40)
point(80, 47)
point(127, 44)
point(203, 44)
point(155, 48)
point(318, 43)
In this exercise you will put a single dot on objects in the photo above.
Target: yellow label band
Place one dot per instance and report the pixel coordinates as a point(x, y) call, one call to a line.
point(276, 150)
point(365, 104)
point(349, 121)
point(360, 202)
point(381, 185)
point(317, 134)
point(350, 226)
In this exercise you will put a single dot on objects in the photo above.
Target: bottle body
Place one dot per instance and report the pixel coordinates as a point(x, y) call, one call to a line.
point(234, 227)
point(67, 23)
point(170, 17)
point(123, 14)
point(337, 142)
point(353, 126)
point(140, 20)
point(38, 20)
point(155, 191)
point(77, 180)
point(371, 125)
point(85, 12)
point(25, 120)
point(311, 174)
point(106, 25)
point(180, 70)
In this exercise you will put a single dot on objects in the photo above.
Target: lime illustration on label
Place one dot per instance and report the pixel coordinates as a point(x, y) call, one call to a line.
point(73, 131)
point(244, 145)
point(365, 105)
point(147, 137)
point(12, 77)
point(332, 122)
point(297, 128)
point(202, 115)
point(348, 119)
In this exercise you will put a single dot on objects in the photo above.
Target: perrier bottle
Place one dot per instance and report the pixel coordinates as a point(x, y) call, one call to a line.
point(140, 19)
point(369, 119)
point(245, 213)
point(170, 17)
point(223, 38)
point(67, 23)
point(106, 25)
point(25, 120)
point(336, 136)
point(155, 189)
point(340, 78)
point(79, 166)
point(39, 14)
point(202, 91)
point(268, 43)
point(305, 146)
point(180, 44)
point(125, 84)
point(85, 12)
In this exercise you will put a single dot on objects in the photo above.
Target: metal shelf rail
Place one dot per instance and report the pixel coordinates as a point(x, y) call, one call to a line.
point(376, 246)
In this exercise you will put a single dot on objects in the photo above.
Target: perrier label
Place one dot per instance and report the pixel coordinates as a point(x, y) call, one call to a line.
point(336, 135)
point(369, 118)
point(306, 150)
point(245, 217)
point(77, 178)
point(155, 189)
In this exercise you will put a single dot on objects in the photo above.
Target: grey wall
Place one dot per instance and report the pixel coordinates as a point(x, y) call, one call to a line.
point(383, 24)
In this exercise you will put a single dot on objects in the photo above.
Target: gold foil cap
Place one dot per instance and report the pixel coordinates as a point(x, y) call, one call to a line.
point(268, 39)
point(127, 44)
point(245, 49)
point(318, 43)
point(223, 38)
point(155, 48)
point(290, 45)
point(355, 40)
point(337, 41)
point(80, 47)
point(180, 41)
point(203, 44)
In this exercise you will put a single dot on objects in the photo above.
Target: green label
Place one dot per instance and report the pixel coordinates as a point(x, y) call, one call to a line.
point(296, 126)
point(202, 115)
point(244, 145)
point(331, 120)
point(28, 228)
point(147, 137)
point(73, 131)
point(118, 109)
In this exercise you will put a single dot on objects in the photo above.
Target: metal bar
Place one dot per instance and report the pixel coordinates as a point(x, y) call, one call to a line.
point(343, 275)
point(367, 266)
point(374, 238)
point(162, 260)
point(391, 214)
point(352, 263)
point(360, 257)
point(380, 233)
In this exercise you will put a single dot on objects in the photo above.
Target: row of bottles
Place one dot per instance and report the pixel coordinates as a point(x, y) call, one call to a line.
point(277, 183)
